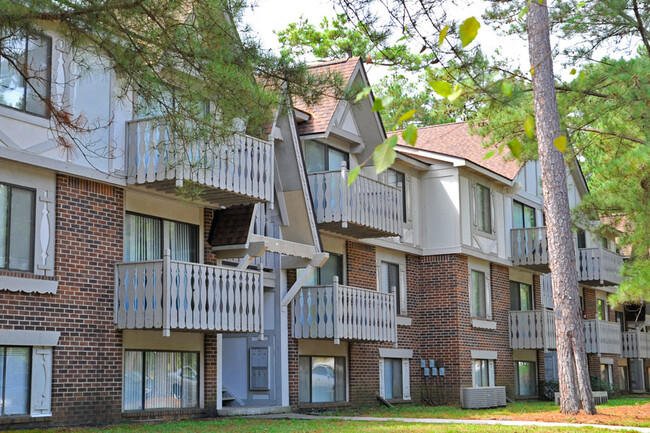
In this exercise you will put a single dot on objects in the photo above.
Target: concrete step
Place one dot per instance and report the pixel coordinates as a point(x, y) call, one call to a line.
point(250, 411)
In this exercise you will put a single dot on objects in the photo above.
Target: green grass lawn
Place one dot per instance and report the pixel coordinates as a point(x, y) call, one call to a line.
point(455, 412)
point(320, 426)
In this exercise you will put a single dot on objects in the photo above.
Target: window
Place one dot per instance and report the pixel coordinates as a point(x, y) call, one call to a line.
point(14, 380)
point(146, 237)
point(393, 379)
point(390, 283)
point(582, 239)
point(398, 179)
point(32, 57)
point(620, 318)
point(479, 296)
point(324, 276)
point(523, 216)
point(16, 228)
point(322, 379)
point(601, 307)
point(321, 157)
point(521, 296)
point(483, 208)
point(606, 373)
point(483, 372)
point(525, 378)
point(160, 380)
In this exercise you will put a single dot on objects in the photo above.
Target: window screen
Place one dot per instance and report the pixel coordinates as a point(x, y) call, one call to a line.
point(483, 209)
point(478, 294)
point(393, 378)
point(14, 380)
point(16, 227)
point(321, 379)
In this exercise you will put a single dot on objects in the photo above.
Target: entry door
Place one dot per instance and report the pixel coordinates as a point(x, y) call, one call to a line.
point(636, 375)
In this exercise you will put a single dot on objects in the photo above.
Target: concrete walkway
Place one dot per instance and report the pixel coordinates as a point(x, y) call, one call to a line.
point(453, 421)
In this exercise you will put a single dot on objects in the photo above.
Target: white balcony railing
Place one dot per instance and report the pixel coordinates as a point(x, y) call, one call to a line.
point(602, 336)
point(635, 344)
point(530, 247)
point(534, 329)
point(598, 265)
point(367, 208)
point(172, 295)
point(241, 167)
point(342, 312)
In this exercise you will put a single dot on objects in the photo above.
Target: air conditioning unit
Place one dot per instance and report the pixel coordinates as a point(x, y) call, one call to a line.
point(483, 397)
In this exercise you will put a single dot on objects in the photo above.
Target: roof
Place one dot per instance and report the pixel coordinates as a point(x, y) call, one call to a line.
point(321, 113)
point(456, 140)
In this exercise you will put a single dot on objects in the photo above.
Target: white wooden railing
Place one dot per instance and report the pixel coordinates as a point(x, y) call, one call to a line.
point(602, 336)
point(533, 329)
point(366, 202)
point(242, 165)
point(529, 246)
point(172, 295)
point(635, 344)
point(546, 284)
point(342, 312)
point(599, 264)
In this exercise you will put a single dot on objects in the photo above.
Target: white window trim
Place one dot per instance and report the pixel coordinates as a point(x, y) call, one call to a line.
point(406, 378)
point(491, 369)
point(398, 258)
point(481, 266)
point(474, 211)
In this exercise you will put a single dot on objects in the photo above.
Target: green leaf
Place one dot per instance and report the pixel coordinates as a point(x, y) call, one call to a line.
point(532, 71)
point(387, 102)
point(560, 143)
point(515, 147)
point(353, 174)
point(573, 71)
point(506, 88)
point(456, 93)
point(523, 12)
point(406, 116)
point(363, 93)
point(442, 88)
point(501, 146)
point(384, 154)
point(489, 154)
point(410, 134)
point(443, 35)
point(378, 105)
point(468, 30)
point(529, 126)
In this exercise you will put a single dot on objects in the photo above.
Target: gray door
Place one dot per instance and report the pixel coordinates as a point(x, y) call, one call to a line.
point(636, 375)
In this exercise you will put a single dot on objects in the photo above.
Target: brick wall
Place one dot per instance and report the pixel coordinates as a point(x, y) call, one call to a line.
point(87, 363)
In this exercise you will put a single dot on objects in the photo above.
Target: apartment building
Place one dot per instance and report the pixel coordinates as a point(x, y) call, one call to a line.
point(280, 286)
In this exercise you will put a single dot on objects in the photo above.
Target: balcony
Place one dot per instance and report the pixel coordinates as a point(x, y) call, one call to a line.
point(365, 209)
point(636, 345)
point(237, 172)
point(530, 248)
point(599, 267)
point(596, 266)
point(602, 337)
point(344, 313)
point(172, 295)
point(536, 330)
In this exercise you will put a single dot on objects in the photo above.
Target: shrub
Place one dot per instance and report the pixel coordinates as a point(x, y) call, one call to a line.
point(549, 388)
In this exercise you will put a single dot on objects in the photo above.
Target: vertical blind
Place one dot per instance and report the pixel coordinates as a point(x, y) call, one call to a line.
point(145, 238)
point(14, 380)
point(160, 380)
point(393, 378)
point(16, 227)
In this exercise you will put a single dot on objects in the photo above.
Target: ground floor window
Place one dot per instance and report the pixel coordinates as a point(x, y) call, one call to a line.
point(623, 378)
point(160, 380)
point(606, 373)
point(483, 372)
point(14, 380)
point(393, 378)
point(525, 378)
point(322, 379)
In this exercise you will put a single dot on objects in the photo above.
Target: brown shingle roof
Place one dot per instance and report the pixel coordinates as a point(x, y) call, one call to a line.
point(456, 139)
point(322, 112)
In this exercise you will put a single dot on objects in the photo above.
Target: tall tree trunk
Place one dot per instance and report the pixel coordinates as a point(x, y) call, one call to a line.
point(572, 356)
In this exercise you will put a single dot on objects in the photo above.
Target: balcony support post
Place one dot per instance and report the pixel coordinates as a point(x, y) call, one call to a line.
point(544, 339)
point(598, 342)
point(344, 195)
point(166, 298)
point(260, 268)
point(335, 309)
